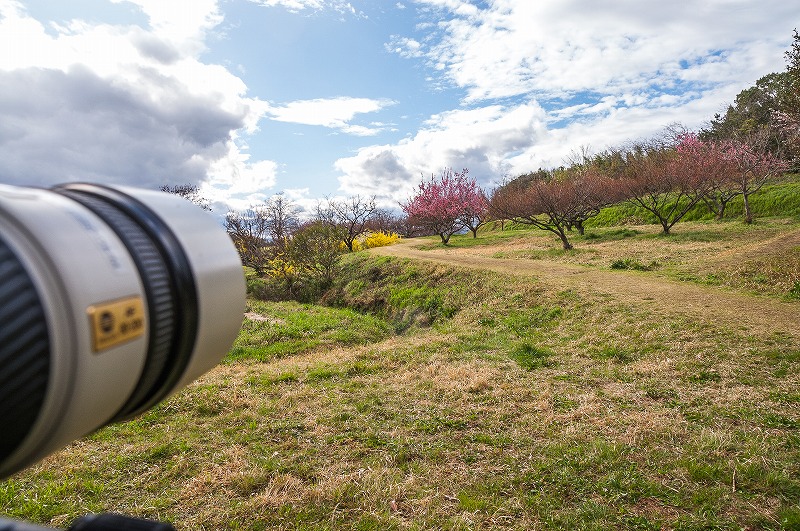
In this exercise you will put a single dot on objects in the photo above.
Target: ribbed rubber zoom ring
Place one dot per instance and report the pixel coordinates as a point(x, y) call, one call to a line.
point(169, 286)
point(161, 303)
point(24, 351)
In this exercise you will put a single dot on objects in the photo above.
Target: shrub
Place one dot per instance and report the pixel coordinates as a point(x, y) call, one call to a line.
point(380, 239)
point(633, 265)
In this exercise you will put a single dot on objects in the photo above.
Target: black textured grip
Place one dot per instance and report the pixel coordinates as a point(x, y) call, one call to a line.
point(24, 352)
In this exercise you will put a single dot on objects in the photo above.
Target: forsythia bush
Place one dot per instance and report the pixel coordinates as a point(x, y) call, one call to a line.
point(373, 239)
point(283, 269)
point(380, 239)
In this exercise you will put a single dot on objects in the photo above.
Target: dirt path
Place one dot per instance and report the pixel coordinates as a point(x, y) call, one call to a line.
point(753, 314)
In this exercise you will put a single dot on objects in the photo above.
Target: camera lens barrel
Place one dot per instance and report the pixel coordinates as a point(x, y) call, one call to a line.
point(111, 299)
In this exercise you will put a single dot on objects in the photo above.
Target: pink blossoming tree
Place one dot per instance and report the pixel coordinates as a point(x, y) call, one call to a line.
point(710, 165)
point(753, 166)
point(446, 204)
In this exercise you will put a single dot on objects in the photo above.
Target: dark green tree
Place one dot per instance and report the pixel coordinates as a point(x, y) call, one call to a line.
point(752, 113)
point(788, 111)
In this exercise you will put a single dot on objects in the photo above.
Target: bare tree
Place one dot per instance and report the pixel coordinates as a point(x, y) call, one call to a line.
point(282, 220)
point(262, 232)
point(250, 234)
point(387, 221)
point(352, 214)
point(190, 192)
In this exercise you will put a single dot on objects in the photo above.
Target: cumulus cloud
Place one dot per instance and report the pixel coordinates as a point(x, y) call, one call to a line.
point(119, 103)
point(237, 181)
point(335, 113)
point(74, 125)
point(480, 139)
point(552, 49)
point(591, 74)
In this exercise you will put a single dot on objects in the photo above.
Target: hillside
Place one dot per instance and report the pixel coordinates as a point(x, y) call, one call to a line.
point(638, 382)
point(591, 269)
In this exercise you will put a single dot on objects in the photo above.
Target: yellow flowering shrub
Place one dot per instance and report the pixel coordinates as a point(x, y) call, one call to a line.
point(380, 239)
point(280, 268)
point(372, 239)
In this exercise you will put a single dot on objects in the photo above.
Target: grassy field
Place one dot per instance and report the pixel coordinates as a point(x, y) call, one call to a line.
point(423, 396)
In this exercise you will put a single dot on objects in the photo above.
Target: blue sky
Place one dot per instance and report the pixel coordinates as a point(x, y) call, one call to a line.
point(316, 98)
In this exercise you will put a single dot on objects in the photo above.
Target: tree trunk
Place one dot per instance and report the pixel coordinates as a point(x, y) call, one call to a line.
point(714, 206)
point(748, 215)
point(445, 237)
point(579, 226)
point(564, 241)
point(721, 211)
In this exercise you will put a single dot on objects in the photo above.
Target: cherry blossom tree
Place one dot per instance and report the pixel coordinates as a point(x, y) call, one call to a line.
point(665, 178)
point(476, 210)
point(710, 166)
point(446, 204)
point(752, 167)
point(551, 202)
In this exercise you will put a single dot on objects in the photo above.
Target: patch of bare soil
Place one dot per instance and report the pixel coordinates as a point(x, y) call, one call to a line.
point(749, 313)
point(253, 316)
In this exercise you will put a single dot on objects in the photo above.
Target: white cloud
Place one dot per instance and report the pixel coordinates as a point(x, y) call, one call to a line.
point(120, 103)
point(334, 113)
point(296, 6)
point(405, 47)
point(480, 139)
point(182, 23)
point(555, 48)
point(238, 182)
point(594, 74)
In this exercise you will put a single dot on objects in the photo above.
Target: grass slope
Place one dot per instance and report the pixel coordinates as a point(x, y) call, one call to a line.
point(780, 199)
point(427, 397)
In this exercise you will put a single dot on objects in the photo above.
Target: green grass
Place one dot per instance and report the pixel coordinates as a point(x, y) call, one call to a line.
point(632, 264)
point(502, 404)
point(275, 330)
point(773, 200)
point(488, 235)
point(406, 295)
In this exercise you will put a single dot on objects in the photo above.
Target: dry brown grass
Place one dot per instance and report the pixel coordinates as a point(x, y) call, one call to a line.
point(630, 412)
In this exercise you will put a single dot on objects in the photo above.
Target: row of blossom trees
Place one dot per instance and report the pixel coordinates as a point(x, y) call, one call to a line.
point(734, 156)
point(667, 177)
